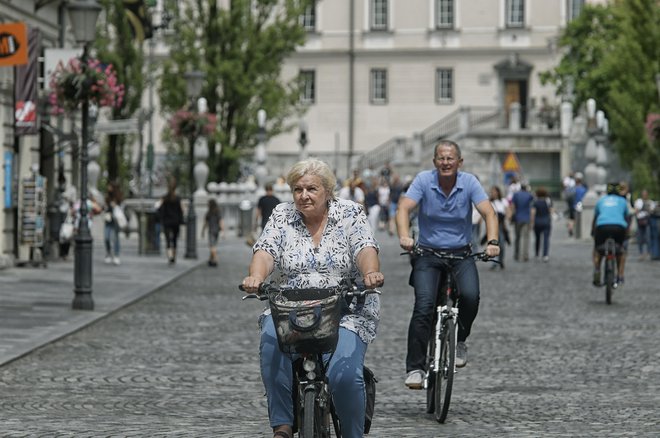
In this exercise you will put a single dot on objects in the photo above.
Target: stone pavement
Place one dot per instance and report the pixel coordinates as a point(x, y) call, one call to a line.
point(548, 357)
point(35, 302)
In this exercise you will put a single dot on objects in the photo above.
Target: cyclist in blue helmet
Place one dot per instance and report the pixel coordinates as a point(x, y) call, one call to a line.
point(610, 220)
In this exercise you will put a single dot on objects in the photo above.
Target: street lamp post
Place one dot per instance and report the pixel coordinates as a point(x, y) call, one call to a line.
point(260, 154)
point(83, 15)
point(302, 139)
point(194, 81)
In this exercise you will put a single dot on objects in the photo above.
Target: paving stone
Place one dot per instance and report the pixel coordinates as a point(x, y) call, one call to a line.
point(547, 357)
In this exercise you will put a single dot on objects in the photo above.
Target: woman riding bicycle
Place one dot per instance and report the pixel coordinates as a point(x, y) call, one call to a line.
point(610, 220)
point(445, 197)
point(315, 241)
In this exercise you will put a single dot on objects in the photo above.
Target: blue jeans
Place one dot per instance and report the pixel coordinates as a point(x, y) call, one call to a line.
point(344, 374)
point(542, 231)
point(426, 279)
point(111, 238)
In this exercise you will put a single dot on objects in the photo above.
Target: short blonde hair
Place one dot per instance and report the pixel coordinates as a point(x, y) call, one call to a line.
point(315, 167)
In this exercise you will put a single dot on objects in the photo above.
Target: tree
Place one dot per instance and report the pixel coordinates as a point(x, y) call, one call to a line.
point(612, 54)
point(241, 50)
point(116, 44)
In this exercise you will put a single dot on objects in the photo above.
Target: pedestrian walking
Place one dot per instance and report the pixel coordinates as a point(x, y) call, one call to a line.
point(643, 208)
point(521, 211)
point(542, 222)
point(501, 206)
point(215, 225)
point(396, 188)
point(265, 206)
point(171, 219)
point(113, 218)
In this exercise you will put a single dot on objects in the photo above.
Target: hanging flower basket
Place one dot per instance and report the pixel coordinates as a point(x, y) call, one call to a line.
point(70, 84)
point(186, 124)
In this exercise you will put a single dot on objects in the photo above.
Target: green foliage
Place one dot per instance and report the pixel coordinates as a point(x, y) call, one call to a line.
point(612, 54)
point(241, 50)
point(115, 44)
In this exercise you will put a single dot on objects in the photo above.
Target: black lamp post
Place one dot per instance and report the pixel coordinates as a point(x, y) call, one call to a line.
point(83, 15)
point(194, 81)
point(260, 153)
point(302, 138)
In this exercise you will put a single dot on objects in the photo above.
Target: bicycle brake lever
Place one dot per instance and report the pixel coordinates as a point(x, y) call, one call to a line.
point(251, 296)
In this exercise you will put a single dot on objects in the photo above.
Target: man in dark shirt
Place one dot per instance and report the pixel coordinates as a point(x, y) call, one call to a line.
point(521, 206)
point(265, 206)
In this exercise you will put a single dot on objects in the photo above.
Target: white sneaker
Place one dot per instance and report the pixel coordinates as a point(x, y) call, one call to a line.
point(415, 379)
point(461, 354)
point(115, 260)
point(107, 260)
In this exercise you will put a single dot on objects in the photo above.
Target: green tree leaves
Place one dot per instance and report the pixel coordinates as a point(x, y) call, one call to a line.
point(241, 50)
point(612, 53)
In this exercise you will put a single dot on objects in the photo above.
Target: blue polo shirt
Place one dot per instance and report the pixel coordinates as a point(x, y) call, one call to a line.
point(445, 221)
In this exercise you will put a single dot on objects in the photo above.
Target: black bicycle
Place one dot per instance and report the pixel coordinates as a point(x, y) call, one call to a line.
point(441, 350)
point(307, 324)
point(609, 251)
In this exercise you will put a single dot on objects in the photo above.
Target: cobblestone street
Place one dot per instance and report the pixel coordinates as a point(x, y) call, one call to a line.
point(547, 357)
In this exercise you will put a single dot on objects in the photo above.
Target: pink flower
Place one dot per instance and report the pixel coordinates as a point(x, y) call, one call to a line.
point(71, 83)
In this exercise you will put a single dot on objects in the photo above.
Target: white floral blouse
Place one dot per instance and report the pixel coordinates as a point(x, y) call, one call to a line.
point(299, 264)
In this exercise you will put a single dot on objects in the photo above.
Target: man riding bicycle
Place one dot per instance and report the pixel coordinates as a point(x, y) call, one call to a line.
point(610, 220)
point(445, 197)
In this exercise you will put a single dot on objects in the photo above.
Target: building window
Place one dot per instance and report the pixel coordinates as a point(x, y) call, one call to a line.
point(379, 12)
point(515, 13)
point(378, 85)
point(444, 14)
point(307, 86)
point(308, 18)
point(444, 85)
point(574, 8)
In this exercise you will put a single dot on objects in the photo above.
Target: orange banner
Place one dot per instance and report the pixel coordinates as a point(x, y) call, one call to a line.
point(13, 44)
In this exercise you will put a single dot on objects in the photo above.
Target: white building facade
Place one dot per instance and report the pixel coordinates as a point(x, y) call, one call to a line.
point(375, 70)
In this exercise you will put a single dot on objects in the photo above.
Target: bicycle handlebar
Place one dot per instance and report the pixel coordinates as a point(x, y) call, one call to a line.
point(349, 290)
point(419, 250)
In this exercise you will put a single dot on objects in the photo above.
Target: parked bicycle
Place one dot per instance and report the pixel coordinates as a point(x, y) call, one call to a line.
point(441, 351)
point(609, 251)
point(307, 326)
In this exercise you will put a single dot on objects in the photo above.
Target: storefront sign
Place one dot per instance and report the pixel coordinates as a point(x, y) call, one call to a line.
point(13, 44)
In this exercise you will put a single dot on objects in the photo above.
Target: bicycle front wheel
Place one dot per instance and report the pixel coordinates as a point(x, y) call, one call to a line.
point(308, 416)
point(430, 375)
point(444, 377)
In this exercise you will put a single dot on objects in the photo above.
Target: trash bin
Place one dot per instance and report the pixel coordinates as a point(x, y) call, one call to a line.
point(654, 236)
point(245, 225)
point(149, 231)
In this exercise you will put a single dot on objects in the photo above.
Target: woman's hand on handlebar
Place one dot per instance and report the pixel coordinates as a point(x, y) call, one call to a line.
point(374, 279)
point(251, 284)
point(406, 243)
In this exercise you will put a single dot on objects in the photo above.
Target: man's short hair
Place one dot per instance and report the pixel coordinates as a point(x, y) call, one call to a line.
point(443, 142)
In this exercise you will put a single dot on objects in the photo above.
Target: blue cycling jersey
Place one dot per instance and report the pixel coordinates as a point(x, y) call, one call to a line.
point(611, 210)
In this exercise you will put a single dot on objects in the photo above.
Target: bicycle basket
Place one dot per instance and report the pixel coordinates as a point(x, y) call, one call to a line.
point(306, 320)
